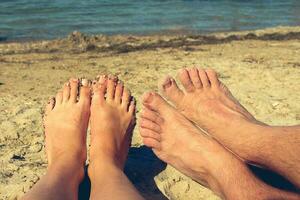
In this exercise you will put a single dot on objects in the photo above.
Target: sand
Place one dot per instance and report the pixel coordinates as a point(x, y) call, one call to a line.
point(262, 69)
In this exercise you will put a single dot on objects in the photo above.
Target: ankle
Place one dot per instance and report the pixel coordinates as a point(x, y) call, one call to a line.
point(65, 171)
point(103, 168)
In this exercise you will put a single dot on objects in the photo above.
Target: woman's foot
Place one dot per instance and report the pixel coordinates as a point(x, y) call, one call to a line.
point(66, 121)
point(112, 122)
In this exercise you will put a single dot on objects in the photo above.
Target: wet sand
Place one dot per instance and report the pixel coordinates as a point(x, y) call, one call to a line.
point(262, 69)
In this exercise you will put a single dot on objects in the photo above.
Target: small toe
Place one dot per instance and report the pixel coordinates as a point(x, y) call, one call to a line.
point(59, 98)
point(154, 101)
point(85, 92)
point(50, 106)
point(111, 85)
point(126, 96)
point(193, 72)
point(74, 84)
point(171, 90)
point(146, 133)
point(66, 92)
point(131, 108)
point(213, 78)
point(151, 143)
point(204, 78)
point(119, 92)
point(147, 124)
point(186, 80)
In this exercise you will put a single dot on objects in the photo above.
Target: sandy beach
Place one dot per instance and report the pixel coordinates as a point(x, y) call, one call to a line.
point(261, 68)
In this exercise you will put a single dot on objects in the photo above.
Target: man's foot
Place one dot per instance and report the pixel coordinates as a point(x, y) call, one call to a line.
point(66, 121)
point(112, 122)
point(175, 140)
point(208, 102)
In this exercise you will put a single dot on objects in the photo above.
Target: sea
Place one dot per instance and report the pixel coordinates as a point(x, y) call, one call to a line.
point(48, 19)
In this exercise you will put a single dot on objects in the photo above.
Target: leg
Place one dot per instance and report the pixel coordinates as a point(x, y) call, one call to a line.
point(112, 122)
point(66, 122)
point(175, 140)
point(207, 101)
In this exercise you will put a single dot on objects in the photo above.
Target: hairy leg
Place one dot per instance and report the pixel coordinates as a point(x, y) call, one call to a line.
point(208, 102)
point(177, 141)
point(112, 122)
point(66, 121)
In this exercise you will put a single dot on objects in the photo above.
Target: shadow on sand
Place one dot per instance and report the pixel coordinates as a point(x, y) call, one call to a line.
point(141, 168)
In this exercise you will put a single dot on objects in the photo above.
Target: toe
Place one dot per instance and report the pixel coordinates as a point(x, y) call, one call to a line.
point(111, 85)
point(98, 93)
point(59, 98)
point(73, 89)
point(213, 78)
point(151, 143)
point(66, 92)
point(126, 96)
point(151, 115)
point(186, 80)
point(95, 85)
point(118, 92)
point(146, 133)
point(204, 78)
point(171, 90)
point(147, 124)
point(193, 72)
point(154, 101)
point(131, 108)
point(85, 92)
point(49, 106)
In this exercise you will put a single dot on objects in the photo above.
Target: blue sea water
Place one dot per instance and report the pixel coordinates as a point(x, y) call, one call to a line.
point(47, 19)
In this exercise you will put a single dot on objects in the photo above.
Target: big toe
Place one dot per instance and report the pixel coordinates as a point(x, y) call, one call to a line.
point(171, 90)
point(155, 102)
point(85, 92)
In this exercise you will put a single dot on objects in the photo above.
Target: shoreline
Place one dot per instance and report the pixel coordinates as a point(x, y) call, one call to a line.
point(168, 33)
point(77, 42)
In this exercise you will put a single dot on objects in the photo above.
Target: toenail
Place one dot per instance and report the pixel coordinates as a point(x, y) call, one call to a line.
point(74, 79)
point(85, 82)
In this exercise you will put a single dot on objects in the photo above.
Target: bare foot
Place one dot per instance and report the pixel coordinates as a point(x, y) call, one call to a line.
point(208, 102)
point(175, 140)
point(66, 121)
point(112, 122)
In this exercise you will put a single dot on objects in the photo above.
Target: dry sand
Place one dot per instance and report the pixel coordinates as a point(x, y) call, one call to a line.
point(262, 69)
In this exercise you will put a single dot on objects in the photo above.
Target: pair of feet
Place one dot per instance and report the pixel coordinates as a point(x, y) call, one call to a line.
point(109, 108)
point(174, 133)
